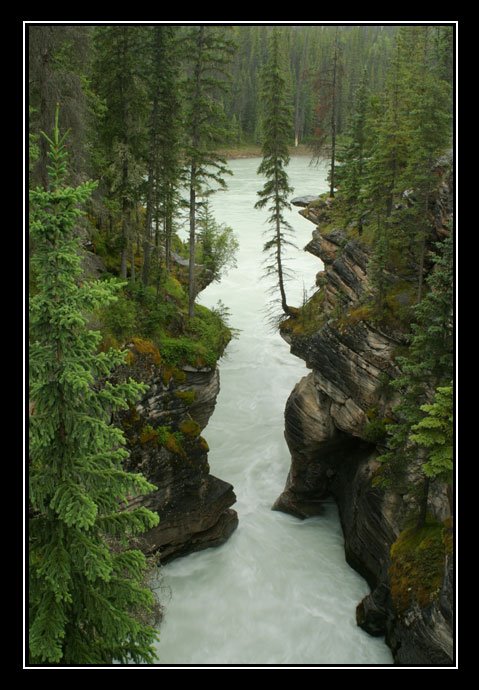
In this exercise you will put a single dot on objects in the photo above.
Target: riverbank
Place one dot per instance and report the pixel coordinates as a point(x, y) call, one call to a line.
point(254, 151)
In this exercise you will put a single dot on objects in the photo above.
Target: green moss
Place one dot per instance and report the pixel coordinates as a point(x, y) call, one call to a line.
point(147, 348)
point(417, 564)
point(148, 435)
point(173, 444)
point(364, 312)
point(158, 324)
point(186, 396)
point(190, 428)
point(308, 319)
point(173, 288)
point(203, 444)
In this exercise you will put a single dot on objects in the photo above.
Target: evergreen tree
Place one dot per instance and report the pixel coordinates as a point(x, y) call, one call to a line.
point(87, 601)
point(277, 130)
point(58, 73)
point(429, 128)
point(352, 160)
point(426, 366)
point(209, 52)
point(435, 432)
point(328, 109)
point(217, 242)
point(119, 78)
point(162, 197)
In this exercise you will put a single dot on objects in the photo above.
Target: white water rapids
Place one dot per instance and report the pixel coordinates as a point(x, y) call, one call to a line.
point(279, 591)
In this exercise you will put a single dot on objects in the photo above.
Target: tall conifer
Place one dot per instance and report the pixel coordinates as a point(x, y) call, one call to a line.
point(277, 125)
point(87, 603)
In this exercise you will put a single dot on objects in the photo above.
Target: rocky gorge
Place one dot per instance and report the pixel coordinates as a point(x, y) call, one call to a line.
point(163, 431)
point(330, 422)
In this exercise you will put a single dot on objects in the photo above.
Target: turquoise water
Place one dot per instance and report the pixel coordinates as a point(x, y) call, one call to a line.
point(279, 591)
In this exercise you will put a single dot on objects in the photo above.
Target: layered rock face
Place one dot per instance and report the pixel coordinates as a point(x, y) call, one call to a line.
point(327, 418)
point(163, 432)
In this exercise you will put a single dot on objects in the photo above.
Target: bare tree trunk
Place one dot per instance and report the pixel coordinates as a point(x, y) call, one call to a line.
point(334, 115)
point(124, 239)
point(421, 520)
point(152, 154)
point(195, 143)
point(191, 267)
point(297, 108)
point(284, 303)
point(168, 234)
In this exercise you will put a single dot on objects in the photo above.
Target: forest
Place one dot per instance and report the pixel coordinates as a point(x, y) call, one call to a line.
point(132, 131)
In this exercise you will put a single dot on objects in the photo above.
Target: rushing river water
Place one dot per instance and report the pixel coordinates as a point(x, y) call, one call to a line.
point(279, 591)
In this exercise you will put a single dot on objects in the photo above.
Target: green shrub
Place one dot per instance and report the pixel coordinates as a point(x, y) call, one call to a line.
point(120, 318)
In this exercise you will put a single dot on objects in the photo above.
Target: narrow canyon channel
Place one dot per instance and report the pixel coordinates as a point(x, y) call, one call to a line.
point(279, 591)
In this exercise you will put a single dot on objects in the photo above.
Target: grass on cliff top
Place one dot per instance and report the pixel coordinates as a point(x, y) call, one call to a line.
point(417, 564)
point(161, 318)
point(308, 320)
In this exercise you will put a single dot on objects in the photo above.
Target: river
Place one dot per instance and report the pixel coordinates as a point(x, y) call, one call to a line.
point(279, 591)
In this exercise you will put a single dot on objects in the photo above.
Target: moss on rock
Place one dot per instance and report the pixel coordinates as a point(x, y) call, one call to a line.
point(190, 428)
point(417, 564)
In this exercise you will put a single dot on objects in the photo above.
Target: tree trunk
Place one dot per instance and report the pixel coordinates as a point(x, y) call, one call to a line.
point(279, 263)
point(152, 155)
point(284, 303)
point(422, 254)
point(44, 113)
point(145, 273)
point(421, 520)
point(124, 240)
point(132, 260)
point(334, 114)
point(168, 234)
point(191, 268)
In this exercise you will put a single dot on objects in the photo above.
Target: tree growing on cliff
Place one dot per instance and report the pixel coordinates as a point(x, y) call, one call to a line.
point(119, 79)
point(426, 367)
point(275, 192)
point(218, 243)
point(87, 603)
point(163, 157)
point(208, 53)
point(350, 173)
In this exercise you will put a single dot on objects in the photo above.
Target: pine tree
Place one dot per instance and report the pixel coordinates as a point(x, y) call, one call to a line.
point(429, 128)
point(163, 159)
point(277, 126)
point(87, 602)
point(427, 365)
point(119, 78)
point(217, 241)
point(209, 53)
point(328, 109)
point(353, 159)
point(435, 432)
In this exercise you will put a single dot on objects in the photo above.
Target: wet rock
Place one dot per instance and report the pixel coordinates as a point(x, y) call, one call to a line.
point(194, 506)
point(326, 421)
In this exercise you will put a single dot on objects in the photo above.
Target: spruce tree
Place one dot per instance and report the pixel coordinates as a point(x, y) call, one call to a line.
point(352, 160)
point(427, 365)
point(328, 109)
point(119, 79)
point(87, 600)
point(209, 53)
point(163, 157)
point(277, 125)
